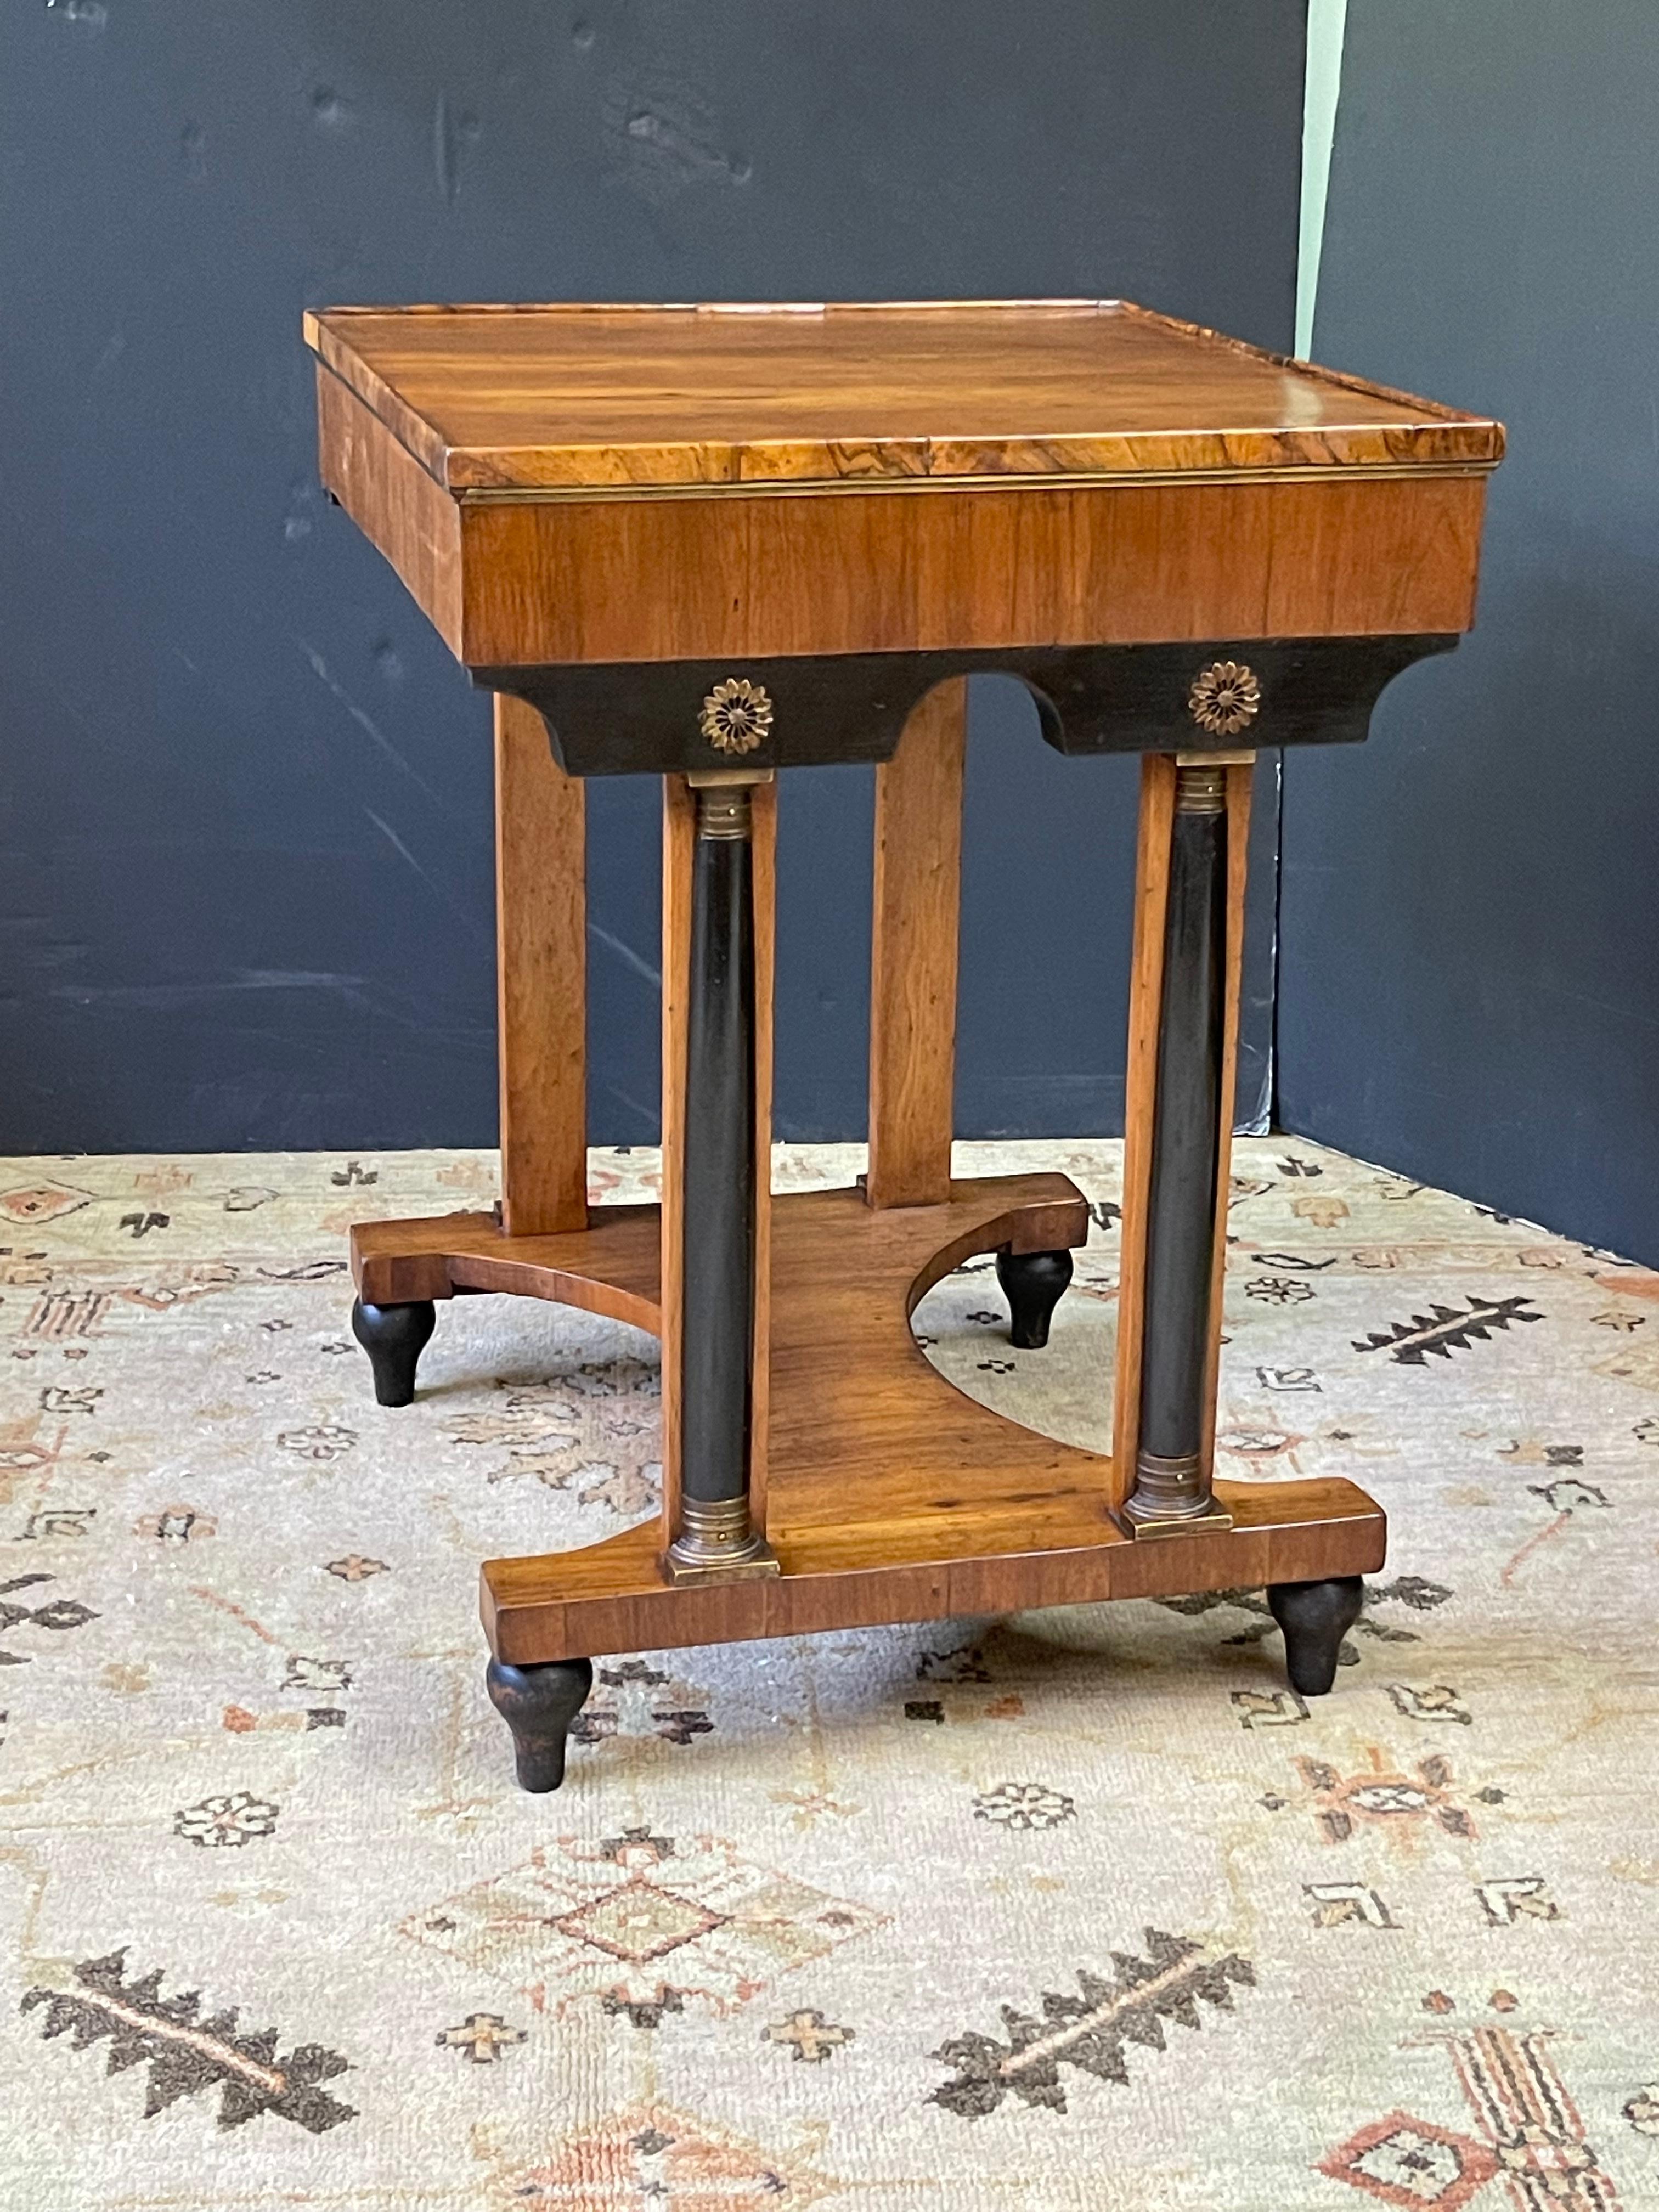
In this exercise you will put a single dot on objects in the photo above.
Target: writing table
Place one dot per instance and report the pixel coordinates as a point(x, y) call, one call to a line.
point(713, 544)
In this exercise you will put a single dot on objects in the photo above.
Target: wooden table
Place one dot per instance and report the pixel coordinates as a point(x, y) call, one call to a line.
point(715, 544)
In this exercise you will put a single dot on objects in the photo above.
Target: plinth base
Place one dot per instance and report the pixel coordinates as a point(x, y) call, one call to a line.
point(890, 1496)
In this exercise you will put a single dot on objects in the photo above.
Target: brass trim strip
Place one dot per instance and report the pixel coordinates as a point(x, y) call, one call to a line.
point(1056, 480)
point(1217, 1517)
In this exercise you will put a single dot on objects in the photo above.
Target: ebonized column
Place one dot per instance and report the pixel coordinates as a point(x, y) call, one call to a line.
point(717, 1288)
point(1172, 1483)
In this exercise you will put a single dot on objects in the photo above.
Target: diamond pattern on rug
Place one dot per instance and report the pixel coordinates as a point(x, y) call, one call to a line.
point(1412, 2163)
point(28, 1204)
point(1382, 1795)
point(583, 1920)
point(1535, 2138)
point(650, 2155)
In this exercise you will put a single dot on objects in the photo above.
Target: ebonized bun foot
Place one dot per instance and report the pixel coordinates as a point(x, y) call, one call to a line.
point(1033, 1283)
point(1315, 1617)
point(394, 1337)
point(538, 1704)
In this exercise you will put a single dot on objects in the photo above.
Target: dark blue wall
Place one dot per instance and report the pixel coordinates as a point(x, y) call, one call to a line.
point(1470, 938)
point(245, 855)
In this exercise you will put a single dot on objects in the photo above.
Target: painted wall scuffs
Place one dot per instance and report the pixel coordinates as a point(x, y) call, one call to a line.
point(246, 893)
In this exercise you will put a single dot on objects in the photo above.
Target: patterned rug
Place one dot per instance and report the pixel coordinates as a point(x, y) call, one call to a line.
point(1081, 1909)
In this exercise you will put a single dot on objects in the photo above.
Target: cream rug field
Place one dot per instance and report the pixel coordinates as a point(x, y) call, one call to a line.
point(1072, 1910)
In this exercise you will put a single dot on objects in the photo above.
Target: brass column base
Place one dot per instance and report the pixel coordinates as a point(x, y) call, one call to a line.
point(1170, 1498)
point(1140, 1527)
point(761, 1560)
point(717, 1545)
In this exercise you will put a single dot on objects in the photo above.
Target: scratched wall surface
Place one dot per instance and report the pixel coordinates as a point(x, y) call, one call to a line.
point(245, 860)
point(1470, 922)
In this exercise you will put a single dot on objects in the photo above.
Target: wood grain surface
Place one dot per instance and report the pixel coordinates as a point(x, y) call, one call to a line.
point(763, 805)
point(592, 396)
point(862, 1433)
point(611, 1267)
point(561, 485)
point(573, 1604)
point(913, 954)
point(679, 839)
point(404, 514)
point(1152, 901)
point(541, 929)
point(688, 580)
point(893, 1496)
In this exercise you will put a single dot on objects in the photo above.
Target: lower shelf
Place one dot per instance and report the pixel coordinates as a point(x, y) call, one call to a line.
point(890, 1496)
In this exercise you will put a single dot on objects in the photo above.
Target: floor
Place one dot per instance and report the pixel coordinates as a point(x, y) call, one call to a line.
point(1072, 1910)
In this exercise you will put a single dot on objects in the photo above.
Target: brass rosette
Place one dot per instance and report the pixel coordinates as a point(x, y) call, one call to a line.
point(737, 715)
point(1226, 698)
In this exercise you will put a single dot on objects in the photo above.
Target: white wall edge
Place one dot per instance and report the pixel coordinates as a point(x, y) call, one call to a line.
point(1327, 23)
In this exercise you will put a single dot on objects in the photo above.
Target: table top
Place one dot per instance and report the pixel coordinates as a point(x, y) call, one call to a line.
point(517, 401)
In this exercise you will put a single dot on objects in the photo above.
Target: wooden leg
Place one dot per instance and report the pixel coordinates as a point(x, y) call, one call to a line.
point(538, 1704)
point(1033, 1283)
point(718, 1169)
point(1315, 1617)
point(912, 955)
point(542, 933)
point(394, 1337)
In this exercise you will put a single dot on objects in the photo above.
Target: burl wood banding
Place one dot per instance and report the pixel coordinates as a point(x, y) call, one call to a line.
point(570, 396)
point(555, 483)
